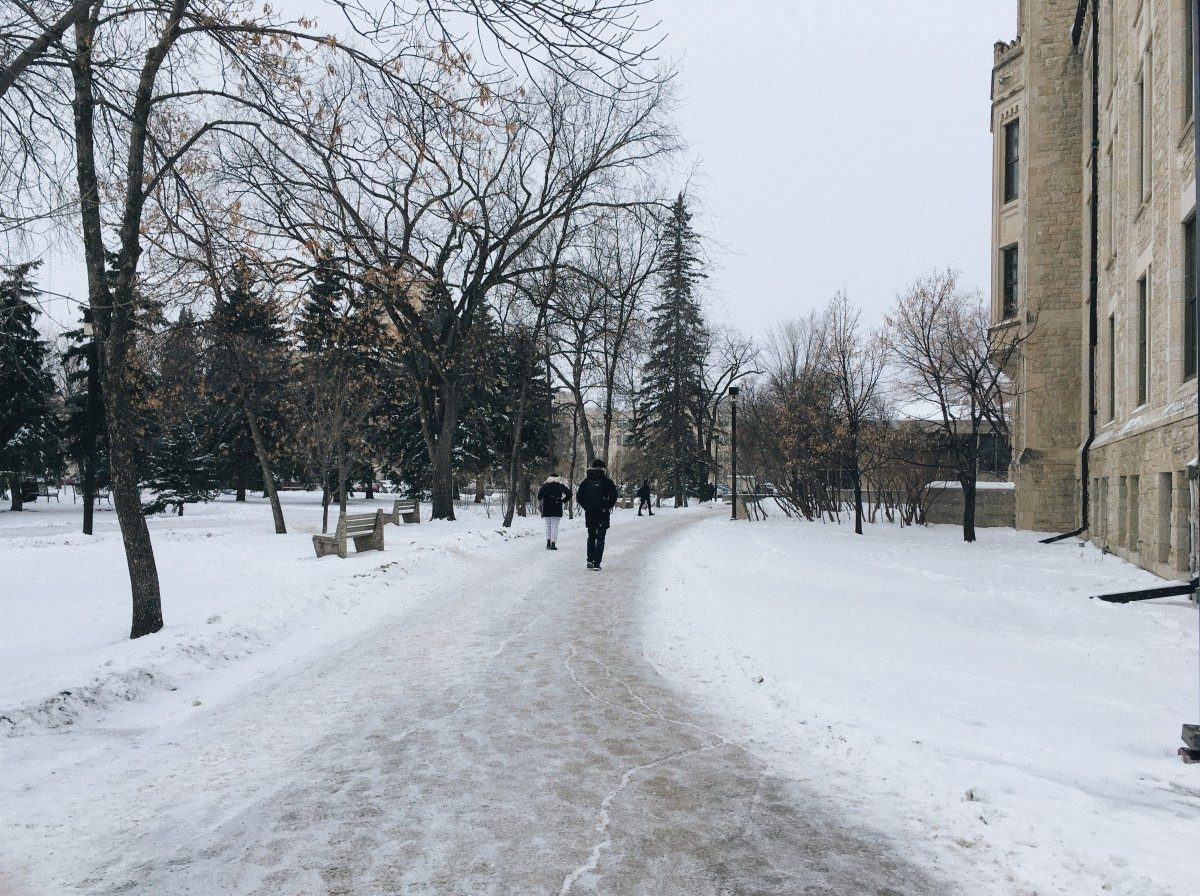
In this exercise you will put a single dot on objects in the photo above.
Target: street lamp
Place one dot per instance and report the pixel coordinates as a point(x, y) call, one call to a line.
point(91, 420)
point(733, 397)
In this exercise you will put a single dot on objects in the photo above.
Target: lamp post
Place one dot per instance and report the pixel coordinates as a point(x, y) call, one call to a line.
point(733, 397)
point(90, 421)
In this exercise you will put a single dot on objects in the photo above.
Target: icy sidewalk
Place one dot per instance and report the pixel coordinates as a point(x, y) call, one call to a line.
point(232, 590)
point(969, 700)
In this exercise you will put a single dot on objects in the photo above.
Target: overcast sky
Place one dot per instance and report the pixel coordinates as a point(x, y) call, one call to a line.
point(840, 144)
point(836, 144)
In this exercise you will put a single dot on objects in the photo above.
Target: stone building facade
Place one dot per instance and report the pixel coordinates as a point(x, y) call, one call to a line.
point(1094, 203)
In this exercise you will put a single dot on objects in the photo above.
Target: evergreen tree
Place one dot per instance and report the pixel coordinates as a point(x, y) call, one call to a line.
point(249, 361)
point(28, 426)
point(84, 437)
point(181, 467)
point(673, 374)
point(341, 337)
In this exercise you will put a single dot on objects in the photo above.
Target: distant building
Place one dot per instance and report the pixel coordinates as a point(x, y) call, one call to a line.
point(1106, 405)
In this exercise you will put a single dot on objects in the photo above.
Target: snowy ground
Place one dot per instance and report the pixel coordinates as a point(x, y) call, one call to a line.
point(469, 713)
point(903, 670)
point(496, 732)
point(231, 589)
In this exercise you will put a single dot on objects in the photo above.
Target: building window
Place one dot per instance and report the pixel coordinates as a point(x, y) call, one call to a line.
point(1143, 339)
point(1145, 100)
point(1012, 160)
point(1123, 511)
point(1165, 495)
point(1135, 514)
point(1102, 520)
point(1009, 267)
point(1112, 367)
point(1189, 299)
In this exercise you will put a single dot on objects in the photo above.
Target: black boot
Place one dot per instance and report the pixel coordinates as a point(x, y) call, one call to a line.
point(549, 545)
point(554, 546)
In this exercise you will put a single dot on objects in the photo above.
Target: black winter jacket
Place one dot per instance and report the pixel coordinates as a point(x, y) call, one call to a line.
point(597, 493)
point(553, 496)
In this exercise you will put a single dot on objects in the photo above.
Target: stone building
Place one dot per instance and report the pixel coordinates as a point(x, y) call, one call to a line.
point(1094, 202)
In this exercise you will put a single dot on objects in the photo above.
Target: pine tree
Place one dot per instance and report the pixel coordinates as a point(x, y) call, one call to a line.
point(83, 432)
point(340, 335)
point(28, 426)
point(181, 466)
point(674, 370)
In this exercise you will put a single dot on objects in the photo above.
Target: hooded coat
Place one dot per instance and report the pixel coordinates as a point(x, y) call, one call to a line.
point(597, 493)
point(553, 496)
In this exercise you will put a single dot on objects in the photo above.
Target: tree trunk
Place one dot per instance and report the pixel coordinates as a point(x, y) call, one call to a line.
point(514, 464)
point(574, 461)
point(480, 489)
point(443, 479)
point(325, 502)
point(240, 483)
point(523, 503)
point(438, 431)
point(15, 486)
point(127, 501)
point(858, 503)
point(968, 487)
point(260, 451)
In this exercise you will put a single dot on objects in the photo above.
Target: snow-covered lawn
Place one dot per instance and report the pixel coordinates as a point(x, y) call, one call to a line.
point(969, 700)
point(232, 590)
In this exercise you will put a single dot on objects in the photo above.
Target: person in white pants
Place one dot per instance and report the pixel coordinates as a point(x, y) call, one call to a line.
point(552, 497)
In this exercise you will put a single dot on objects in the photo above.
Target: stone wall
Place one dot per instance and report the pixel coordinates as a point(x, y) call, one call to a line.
point(994, 507)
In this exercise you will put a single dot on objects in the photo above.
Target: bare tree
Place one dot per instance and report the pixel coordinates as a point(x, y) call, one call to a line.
point(139, 92)
point(731, 358)
point(951, 361)
point(431, 209)
point(856, 361)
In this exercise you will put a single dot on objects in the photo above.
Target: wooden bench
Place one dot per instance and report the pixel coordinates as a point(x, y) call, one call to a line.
point(626, 503)
point(365, 529)
point(407, 510)
point(47, 491)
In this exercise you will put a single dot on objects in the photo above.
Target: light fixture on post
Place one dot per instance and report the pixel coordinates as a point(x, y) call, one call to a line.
point(733, 397)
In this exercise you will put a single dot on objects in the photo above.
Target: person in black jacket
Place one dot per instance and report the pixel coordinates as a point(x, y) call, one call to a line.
point(597, 495)
point(552, 497)
point(643, 496)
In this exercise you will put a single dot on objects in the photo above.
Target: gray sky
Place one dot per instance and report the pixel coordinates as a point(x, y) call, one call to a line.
point(837, 144)
point(840, 144)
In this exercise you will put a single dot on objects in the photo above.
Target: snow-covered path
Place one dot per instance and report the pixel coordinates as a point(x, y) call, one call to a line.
point(503, 736)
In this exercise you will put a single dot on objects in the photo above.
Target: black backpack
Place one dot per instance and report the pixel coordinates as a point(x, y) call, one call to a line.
point(591, 493)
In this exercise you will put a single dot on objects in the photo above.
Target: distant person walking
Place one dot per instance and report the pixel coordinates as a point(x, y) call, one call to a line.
point(554, 494)
point(597, 495)
point(643, 496)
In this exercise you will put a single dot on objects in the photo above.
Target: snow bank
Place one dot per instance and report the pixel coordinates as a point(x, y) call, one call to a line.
point(968, 700)
point(231, 590)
